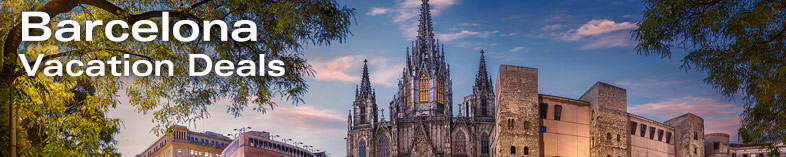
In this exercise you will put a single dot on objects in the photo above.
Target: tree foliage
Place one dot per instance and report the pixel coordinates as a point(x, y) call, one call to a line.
point(741, 44)
point(66, 115)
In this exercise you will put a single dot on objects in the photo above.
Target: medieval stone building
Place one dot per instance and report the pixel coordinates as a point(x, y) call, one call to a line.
point(523, 122)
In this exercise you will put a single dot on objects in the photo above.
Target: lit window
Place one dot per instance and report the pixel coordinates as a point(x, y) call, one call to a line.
point(423, 88)
point(179, 150)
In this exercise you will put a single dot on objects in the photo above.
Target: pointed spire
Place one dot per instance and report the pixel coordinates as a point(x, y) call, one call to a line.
point(482, 77)
point(425, 31)
point(365, 84)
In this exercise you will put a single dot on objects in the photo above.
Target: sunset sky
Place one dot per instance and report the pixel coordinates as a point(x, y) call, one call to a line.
point(573, 44)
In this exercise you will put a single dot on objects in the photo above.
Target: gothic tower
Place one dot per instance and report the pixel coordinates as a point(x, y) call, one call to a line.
point(425, 82)
point(362, 118)
point(365, 105)
point(482, 93)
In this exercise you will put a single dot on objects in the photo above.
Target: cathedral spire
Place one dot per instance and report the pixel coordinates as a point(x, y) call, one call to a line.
point(482, 78)
point(425, 31)
point(365, 84)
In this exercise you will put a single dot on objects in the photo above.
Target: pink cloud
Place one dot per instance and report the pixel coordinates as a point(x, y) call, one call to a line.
point(316, 121)
point(719, 117)
point(597, 27)
point(348, 69)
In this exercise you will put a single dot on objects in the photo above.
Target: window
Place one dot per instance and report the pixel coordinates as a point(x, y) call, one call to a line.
point(384, 150)
point(668, 137)
point(608, 136)
point(760, 154)
point(483, 106)
point(618, 138)
point(526, 150)
point(633, 126)
point(362, 114)
point(459, 143)
point(544, 110)
point(716, 145)
point(542, 128)
point(179, 150)
point(526, 125)
point(512, 149)
point(484, 143)
point(557, 112)
point(652, 133)
point(511, 123)
point(694, 151)
point(362, 148)
point(423, 88)
point(643, 130)
point(440, 91)
point(660, 135)
point(695, 136)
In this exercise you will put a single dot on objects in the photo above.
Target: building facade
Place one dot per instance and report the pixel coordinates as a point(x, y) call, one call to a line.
point(422, 121)
point(259, 144)
point(513, 119)
point(180, 142)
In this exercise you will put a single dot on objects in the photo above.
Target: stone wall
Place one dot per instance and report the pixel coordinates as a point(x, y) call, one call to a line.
point(689, 135)
point(608, 126)
point(723, 145)
point(517, 97)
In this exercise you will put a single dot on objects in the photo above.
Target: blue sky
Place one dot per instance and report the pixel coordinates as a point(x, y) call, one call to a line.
point(573, 44)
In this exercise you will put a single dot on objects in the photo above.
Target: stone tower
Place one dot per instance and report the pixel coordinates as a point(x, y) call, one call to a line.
point(361, 126)
point(716, 145)
point(689, 136)
point(608, 120)
point(517, 96)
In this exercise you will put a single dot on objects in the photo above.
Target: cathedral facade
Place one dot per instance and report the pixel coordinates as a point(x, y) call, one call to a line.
point(422, 122)
point(509, 118)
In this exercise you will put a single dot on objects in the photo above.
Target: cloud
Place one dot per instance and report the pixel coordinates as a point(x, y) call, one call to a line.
point(320, 121)
point(647, 83)
point(597, 33)
point(465, 34)
point(597, 27)
point(378, 11)
point(519, 48)
point(609, 41)
point(347, 69)
point(719, 117)
point(552, 27)
point(406, 12)
point(508, 34)
point(468, 24)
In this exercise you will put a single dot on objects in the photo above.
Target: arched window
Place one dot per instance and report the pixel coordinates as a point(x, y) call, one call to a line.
point(512, 149)
point(423, 88)
point(618, 137)
point(526, 127)
point(362, 148)
point(440, 91)
point(526, 150)
point(384, 150)
point(484, 143)
point(459, 143)
point(608, 136)
point(511, 123)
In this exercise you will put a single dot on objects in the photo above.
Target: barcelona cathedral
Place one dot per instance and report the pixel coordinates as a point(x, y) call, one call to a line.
point(510, 118)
